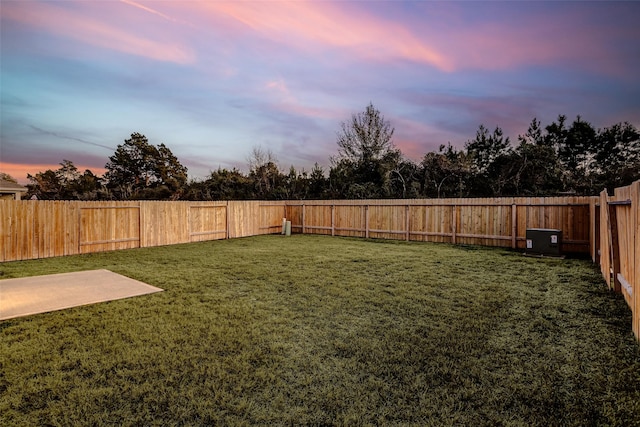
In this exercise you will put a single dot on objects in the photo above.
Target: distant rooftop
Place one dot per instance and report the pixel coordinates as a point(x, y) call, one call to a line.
point(11, 186)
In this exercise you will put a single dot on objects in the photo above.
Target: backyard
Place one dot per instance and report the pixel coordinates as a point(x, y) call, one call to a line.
point(315, 330)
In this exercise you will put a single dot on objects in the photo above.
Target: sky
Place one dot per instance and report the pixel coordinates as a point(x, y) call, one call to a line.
point(213, 80)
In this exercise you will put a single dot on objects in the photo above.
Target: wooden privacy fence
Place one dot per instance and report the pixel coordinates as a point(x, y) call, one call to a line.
point(618, 246)
point(488, 222)
point(607, 227)
point(41, 229)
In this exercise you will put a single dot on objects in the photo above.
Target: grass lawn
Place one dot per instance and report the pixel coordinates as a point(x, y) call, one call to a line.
point(314, 330)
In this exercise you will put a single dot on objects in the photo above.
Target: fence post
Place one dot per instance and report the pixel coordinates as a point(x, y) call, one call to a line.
point(635, 279)
point(514, 225)
point(189, 228)
point(454, 223)
point(303, 229)
point(593, 229)
point(366, 221)
point(615, 248)
point(333, 220)
point(80, 231)
point(141, 225)
point(596, 235)
point(407, 221)
point(226, 220)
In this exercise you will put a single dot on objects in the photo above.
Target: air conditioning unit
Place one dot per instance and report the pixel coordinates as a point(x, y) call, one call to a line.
point(544, 242)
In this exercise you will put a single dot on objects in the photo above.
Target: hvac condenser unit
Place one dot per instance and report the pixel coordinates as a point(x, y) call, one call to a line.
point(542, 241)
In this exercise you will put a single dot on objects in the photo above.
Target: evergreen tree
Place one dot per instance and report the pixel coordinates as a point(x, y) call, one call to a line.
point(139, 170)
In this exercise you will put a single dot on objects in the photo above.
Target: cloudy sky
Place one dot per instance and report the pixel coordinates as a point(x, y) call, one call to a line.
point(213, 79)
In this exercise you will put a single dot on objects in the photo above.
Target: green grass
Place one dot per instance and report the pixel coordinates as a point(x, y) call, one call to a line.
point(312, 330)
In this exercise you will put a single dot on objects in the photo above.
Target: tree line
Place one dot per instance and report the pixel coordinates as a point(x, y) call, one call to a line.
point(557, 159)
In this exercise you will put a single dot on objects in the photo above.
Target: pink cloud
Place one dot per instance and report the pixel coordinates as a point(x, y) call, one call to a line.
point(412, 137)
point(566, 36)
point(494, 47)
point(279, 89)
point(444, 38)
point(437, 36)
point(441, 37)
point(302, 110)
point(77, 24)
point(147, 9)
point(303, 23)
point(283, 100)
point(157, 13)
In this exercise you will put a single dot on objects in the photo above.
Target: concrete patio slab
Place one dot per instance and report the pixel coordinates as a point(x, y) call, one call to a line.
point(41, 294)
